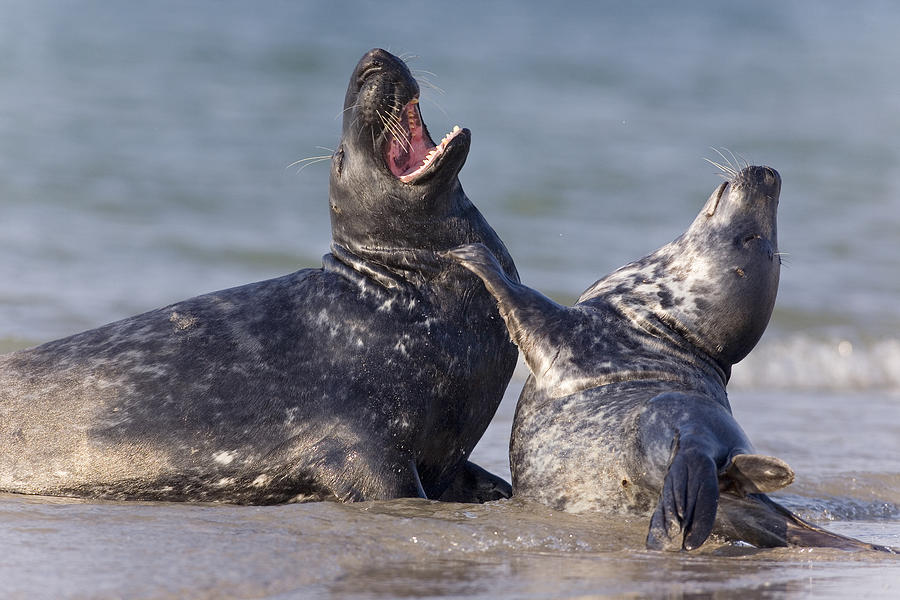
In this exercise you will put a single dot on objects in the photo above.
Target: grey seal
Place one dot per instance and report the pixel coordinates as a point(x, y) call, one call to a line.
point(372, 377)
point(625, 410)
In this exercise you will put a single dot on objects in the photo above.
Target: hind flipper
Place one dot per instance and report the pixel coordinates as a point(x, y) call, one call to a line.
point(756, 473)
point(687, 505)
point(762, 522)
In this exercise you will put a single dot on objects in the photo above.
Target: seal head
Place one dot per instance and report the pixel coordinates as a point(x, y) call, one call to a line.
point(389, 179)
point(714, 286)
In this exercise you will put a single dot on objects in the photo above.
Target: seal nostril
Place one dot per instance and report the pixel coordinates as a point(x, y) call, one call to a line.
point(369, 70)
point(772, 177)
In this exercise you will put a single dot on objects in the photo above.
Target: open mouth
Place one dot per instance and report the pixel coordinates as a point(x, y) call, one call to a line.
point(408, 150)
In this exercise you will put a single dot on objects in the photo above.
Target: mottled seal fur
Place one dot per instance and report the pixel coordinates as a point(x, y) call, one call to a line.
point(371, 377)
point(626, 410)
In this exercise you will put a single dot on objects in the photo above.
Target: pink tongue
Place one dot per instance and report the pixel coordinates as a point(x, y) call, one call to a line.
point(399, 158)
point(405, 156)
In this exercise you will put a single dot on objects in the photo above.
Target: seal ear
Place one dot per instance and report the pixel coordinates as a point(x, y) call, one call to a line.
point(756, 473)
point(687, 507)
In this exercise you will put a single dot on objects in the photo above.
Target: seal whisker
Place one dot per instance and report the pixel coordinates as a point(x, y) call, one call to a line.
point(432, 86)
point(424, 79)
point(349, 108)
point(423, 72)
point(392, 115)
point(308, 161)
point(724, 158)
point(393, 126)
point(726, 173)
point(354, 122)
point(730, 169)
point(438, 106)
point(398, 127)
point(737, 163)
point(390, 126)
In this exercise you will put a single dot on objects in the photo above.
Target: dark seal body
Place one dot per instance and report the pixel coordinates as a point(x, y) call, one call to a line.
point(372, 377)
point(626, 410)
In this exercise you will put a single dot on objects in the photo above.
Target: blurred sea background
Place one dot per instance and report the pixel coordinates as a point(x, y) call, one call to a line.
point(146, 156)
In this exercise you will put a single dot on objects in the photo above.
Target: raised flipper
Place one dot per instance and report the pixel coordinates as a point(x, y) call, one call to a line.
point(526, 312)
point(474, 484)
point(516, 302)
point(686, 512)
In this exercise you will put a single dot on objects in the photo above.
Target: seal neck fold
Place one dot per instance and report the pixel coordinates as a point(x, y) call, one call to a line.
point(399, 269)
point(677, 337)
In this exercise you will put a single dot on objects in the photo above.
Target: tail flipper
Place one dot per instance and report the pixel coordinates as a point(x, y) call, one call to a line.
point(762, 522)
point(686, 511)
point(691, 506)
point(747, 514)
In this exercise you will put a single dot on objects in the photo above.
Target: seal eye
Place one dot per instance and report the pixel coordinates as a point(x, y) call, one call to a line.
point(337, 160)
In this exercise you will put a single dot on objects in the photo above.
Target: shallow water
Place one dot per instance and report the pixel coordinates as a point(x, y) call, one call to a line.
point(417, 548)
point(144, 157)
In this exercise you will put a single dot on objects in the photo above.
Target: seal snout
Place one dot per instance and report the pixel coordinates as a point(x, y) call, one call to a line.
point(762, 177)
point(376, 61)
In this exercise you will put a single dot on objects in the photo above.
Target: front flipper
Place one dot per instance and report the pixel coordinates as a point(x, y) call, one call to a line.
point(476, 485)
point(530, 317)
point(687, 505)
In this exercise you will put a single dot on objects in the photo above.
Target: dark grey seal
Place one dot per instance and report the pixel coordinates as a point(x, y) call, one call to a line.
point(626, 410)
point(371, 377)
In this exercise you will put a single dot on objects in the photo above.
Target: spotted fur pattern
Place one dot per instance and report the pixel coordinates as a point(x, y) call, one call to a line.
point(625, 410)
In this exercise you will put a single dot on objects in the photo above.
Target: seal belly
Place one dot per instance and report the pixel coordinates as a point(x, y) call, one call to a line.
point(583, 462)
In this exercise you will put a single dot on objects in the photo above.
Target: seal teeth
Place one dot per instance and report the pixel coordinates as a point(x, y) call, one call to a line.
point(430, 156)
point(450, 135)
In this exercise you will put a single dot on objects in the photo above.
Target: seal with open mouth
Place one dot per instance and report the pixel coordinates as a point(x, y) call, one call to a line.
point(372, 377)
point(626, 410)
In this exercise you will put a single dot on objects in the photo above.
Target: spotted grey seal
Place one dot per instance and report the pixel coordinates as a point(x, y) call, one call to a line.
point(371, 377)
point(625, 409)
